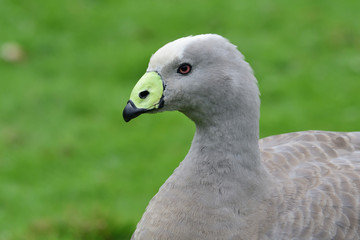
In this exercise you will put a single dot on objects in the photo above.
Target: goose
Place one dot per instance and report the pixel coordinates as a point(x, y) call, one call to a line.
point(231, 185)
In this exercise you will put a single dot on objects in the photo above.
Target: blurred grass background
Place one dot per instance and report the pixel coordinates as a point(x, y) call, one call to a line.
point(70, 168)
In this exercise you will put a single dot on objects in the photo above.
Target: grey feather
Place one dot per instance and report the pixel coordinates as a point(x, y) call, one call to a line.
point(231, 185)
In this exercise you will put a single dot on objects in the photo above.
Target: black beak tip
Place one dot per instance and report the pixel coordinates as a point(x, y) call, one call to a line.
point(131, 111)
point(126, 115)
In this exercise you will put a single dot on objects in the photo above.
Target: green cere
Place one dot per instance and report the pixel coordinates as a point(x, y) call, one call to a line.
point(148, 91)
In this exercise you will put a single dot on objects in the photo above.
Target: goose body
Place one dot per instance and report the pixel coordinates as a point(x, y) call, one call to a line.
point(231, 185)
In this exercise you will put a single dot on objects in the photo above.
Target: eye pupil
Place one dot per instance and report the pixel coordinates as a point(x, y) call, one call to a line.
point(184, 68)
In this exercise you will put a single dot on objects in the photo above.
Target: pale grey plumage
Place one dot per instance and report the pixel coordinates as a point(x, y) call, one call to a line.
point(303, 185)
point(318, 182)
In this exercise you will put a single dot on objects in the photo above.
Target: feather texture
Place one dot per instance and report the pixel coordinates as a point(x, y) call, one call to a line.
point(318, 180)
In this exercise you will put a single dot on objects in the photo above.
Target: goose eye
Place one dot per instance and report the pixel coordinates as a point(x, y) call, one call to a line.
point(184, 68)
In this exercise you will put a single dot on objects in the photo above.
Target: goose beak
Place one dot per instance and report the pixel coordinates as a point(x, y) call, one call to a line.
point(146, 96)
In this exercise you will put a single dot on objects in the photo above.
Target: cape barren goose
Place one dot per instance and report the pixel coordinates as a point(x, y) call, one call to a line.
point(231, 185)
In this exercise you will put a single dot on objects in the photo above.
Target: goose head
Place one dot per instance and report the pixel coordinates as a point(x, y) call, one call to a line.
point(204, 76)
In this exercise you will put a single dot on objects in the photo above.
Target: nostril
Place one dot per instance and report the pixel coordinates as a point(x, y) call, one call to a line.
point(143, 94)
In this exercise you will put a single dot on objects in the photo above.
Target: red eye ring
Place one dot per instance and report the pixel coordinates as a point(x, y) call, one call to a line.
point(184, 68)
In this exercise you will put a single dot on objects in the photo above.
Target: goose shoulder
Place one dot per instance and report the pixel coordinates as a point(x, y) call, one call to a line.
point(318, 179)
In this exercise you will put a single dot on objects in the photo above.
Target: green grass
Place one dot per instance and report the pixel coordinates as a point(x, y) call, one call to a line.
point(70, 168)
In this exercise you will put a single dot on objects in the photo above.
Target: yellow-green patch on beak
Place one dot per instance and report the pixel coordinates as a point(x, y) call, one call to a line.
point(147, 95)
